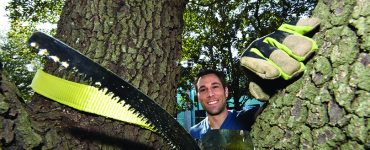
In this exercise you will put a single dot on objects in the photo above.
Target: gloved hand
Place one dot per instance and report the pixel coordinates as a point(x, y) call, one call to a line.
point(280, 54)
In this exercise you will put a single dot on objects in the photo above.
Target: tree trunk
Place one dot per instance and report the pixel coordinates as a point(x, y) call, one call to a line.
point(328, 108)
point(16, 130)
point(139, 41)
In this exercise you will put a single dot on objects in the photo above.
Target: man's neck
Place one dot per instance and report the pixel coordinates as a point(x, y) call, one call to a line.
point(216, 121)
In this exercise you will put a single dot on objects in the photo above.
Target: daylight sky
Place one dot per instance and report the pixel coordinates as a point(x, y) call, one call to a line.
point(5, 25)
point(4, 22)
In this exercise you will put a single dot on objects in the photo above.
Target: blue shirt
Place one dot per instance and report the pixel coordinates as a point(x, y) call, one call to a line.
point(235, 120)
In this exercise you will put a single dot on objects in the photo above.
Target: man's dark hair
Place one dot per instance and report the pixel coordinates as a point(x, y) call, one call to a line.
point(204, 72)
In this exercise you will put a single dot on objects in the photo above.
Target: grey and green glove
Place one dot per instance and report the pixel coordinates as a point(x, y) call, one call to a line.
point(280, 54)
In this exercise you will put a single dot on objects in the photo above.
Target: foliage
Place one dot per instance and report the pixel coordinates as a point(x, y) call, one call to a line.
point(184, 100)
point(25, 17)
point(217, 31)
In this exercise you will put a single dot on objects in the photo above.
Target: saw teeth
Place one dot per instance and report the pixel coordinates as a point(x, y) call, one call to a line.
point(43, 52)
point(34, 44)
point(140, 116)
point(74, 70)
point(173, 146)
point(127, 106)
point(115, 98)
point(97, 84)
point(105, 90)
point(110, 94)
point(54, 58)
point(64, 64)
point(89, 79)
point(148, 122)
point(84, 77)
point(134, 111)
point(123, 102)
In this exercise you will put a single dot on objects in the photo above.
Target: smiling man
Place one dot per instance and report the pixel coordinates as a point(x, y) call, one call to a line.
point(280, 54)
point(212, 93)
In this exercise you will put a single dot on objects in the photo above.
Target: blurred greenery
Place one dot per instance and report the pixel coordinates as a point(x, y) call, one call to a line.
point(25, 17)
point(215, 33)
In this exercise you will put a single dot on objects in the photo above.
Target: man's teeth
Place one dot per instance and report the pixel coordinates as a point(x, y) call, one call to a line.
point(212, 102)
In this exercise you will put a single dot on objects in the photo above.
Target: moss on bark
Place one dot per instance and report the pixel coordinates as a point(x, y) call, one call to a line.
point(330, 103)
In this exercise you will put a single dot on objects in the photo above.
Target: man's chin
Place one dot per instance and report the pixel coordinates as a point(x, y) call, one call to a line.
point(214, 113)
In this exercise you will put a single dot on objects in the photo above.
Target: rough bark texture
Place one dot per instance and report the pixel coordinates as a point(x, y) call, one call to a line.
point(138, 40)
point(328, 108)
point(16, 129)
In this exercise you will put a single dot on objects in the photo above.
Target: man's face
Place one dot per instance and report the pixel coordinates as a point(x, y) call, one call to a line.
point(211, 94)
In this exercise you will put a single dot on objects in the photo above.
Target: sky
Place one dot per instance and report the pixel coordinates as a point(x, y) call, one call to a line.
point(5, 25)
point(4, 22)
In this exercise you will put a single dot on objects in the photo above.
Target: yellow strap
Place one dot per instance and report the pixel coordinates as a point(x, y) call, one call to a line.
point(84, 98)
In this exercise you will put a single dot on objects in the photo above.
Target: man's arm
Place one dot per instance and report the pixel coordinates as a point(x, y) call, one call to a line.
point(249, 113)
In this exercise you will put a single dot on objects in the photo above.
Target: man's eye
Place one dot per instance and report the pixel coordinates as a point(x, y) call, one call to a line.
point(202, 90)
point(216, 86)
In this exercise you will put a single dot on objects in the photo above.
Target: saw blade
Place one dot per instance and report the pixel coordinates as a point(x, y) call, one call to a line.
point(144, 106)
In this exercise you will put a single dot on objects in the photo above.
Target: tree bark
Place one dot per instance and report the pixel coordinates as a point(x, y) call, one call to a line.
point(139, 41)
point(328, 108)
point(16, 129)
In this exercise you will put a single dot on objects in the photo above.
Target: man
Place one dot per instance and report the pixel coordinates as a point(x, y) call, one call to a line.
point(282, 59)
point(212, 93)
point(279, 54)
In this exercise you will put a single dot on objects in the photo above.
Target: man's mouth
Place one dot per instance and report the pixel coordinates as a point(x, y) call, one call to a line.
point(212, 102)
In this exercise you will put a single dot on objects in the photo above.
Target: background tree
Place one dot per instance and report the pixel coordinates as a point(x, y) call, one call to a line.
point(25, 17)
point(328, 108)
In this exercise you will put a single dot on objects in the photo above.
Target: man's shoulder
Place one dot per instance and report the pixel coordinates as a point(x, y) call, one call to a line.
point(249, 110)
point(198, 126)
point(196, 130)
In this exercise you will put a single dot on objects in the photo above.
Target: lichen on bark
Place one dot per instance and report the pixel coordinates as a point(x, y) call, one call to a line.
point(17, 131)
point(329, 104)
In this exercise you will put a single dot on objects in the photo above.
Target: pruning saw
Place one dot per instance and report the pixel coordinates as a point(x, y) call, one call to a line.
point(119, 91)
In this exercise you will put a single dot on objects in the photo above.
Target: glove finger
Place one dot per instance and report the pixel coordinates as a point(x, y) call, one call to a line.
point(303, 26)
point(288, 43)
point(259, 65)
point(303, 50)
point(289, 66)
point(270, 63)
point(311, 22)
point(257, 92)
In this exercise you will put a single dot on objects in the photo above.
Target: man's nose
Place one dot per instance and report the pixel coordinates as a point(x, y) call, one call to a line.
point(210, 92)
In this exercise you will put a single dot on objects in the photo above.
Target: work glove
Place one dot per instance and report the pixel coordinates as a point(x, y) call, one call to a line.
point(280, 54)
